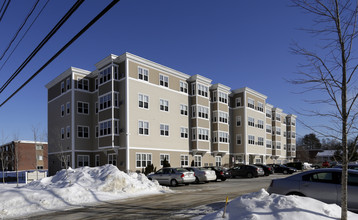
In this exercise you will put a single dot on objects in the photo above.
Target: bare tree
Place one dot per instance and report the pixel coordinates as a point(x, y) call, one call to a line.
point(15, 153)
point(331, 71)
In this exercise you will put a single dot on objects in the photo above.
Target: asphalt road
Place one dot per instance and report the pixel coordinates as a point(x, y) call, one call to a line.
point(184, 203)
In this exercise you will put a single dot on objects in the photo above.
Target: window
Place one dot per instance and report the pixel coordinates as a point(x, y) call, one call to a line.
point(143, 160)
point(39, 157)
point(238, 139)
point(105, 128)
point(251, 121)
point(238, 102)
point(284, 133)
point(164, 105)
point(197, 161)
point(105, 101)
point(39, 147)
point(258, 160)
point(203, 90)
point(143, 74)
point(183, 109)
point(238, 121)
point(250, 103)
point(97, 160)
point(278, 117)
point(260, 106)
point(82, 132)
point(284, 146)
point(223, 137)
point(82, 160)
point(68, 131)
point(96, 107)
point(143, 101)
point(62, 110)
point(218, 161)
point(268, 128)
point(184, 132)
point(82, 108)
point(62, 87)
point(222, 97)
point(68, 83)
point(162, 157)
point(213, 97)
point(62, 133)
point(105, 75)
point(183, 87)
point(278, 145)
point(164, 80)
point(251, 139)
point(260, 141)
point(96, 84)
point(143, 127)
point(68, 106)
point(203, 134)
point(223, 117)
point(65, 159)
point(112, 159)
point(278, 131)
point(203, 112)
point(82, 84)
point(293, 134)
point(322, 177)
point(164, 130)
point(184, 160)
point(268, 113)
point(260, 124)
point(268, 143)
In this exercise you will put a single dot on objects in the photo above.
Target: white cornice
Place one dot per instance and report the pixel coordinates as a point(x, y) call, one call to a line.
point(250, 91)
point(200, 78)
point(220, 87)
point(65, 74)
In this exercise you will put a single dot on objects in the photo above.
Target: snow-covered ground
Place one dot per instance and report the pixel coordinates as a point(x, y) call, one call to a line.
point(78, 187)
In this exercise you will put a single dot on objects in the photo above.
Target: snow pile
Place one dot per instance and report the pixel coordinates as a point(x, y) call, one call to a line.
point(261, 205)
point(73, 188)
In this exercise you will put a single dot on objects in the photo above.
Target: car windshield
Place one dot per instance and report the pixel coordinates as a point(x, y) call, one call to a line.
point(181, 170)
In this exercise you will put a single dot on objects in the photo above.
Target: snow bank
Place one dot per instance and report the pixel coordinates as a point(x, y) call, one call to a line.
point(261, 205)
point(73, 188)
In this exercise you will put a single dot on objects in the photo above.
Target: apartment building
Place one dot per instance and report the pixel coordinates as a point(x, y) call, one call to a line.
point(132, 112)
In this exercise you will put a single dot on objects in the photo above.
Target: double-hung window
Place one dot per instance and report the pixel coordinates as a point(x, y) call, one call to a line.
point(164, 81)
point(203, 90)
point(143, 160)
point(260, 141)
point(143, 74)
point(184, 160)
point(260, 106)
point(183, 109)
point(183, 132)
point(82, 84)
point(143, 128)
point(251, 139)
point(260, 124)
point(183, 87)
point(222, 97)
point(143, 101)
point(164, 130)
point(164, 105)
point(251, 121)
point(82, 108)
point(82, 160)
point(251, 103)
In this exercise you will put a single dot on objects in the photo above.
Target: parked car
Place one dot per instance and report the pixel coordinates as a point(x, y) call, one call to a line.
point(246, 170)
point(221, 172)
point(267, 170)
point(296, 165)
point(202, 174)
point(279, 168)
point(321, 184)
point(173, 176)
point(350, 166)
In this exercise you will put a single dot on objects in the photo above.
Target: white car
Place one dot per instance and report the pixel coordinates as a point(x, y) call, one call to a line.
point(202, 174)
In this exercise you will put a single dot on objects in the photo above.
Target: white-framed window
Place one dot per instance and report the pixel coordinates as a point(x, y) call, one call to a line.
point(268, 113)
point(143, 160)
point(213, 97)
point(238, 139)
point(105, 128)
point(268, 144)
point(258, 160)
point(251, 121)
point(82, 160)
point(164, 80)
point(68, 131)
point(203, 90)
point(203, 112)
point(112, 159)
point(260, 106)
point(184, 160)
point(218, 161)
point(62, 87)
point(197, 161)
point(97, 160)
point(284, 146)
point(143, 127)
point(82, 84)
point(278, 145)
point(68, 83)
point(65, 159)
point(251, 139)
point(164, 130)
point(260, 124)
point(62, 133)
point(184, 132)
point(68, 107)
point(238, 121)
point(223, 137)
point(82, 131)
point(39, 147)
point(278, 131)
point(62, 110)
point(143, 101)
point(293, 134)
point(183, 87)
point(260, 141)
point(278, 116)
point(105, 101)
point(143, 74)
point(183, 109)
point(223, 117)
point(268, 128)
point(250, 103)
point(82, 108)
point(238, 102)
point(39, 157)
point(203, 134)
point(105, 75)
point(164, 156)
point(223, 97)
point(164, 105)
point(293, 122)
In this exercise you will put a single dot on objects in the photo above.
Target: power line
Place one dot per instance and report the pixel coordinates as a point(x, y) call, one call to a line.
point(3, 13)
point(43, 7)
point(42, 43)
point(18, 31)
point(94, 20)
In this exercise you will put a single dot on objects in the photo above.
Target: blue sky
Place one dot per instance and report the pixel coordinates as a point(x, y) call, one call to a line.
point(234, 42)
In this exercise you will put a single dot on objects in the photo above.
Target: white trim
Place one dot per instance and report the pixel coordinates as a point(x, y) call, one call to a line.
point(73, 127)
point(159, 149)
point(127, 115)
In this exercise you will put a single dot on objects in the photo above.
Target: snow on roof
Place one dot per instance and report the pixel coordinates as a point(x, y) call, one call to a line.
point(326, 153)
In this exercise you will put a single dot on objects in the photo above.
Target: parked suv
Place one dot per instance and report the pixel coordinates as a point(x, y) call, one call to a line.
point(246, 170)
point(221, 172)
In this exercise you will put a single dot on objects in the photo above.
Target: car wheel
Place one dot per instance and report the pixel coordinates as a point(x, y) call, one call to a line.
point(173, 183)
point(285, 172)
point(197, 180)
point(250, 175)
point(223, 179)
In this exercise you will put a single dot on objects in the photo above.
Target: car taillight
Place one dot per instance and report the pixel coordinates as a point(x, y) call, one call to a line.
point(182, 175)
point(221, 173)
point(269, 169)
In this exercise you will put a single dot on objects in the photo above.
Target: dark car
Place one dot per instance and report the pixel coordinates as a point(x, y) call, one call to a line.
point(279, 168)
point(296, 165)
point(221, 172)
point(267, 170)
point(246, 171)
point(350, 166)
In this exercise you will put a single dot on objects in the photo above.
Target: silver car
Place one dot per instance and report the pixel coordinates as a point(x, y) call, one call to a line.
point(173, 176)
point(321, 184)
point(202, 174)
